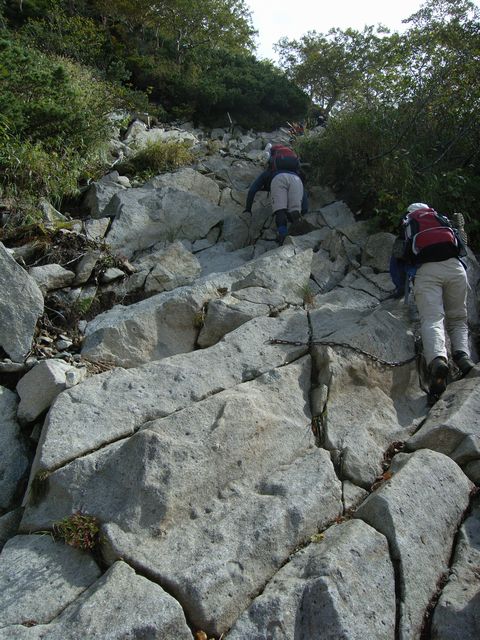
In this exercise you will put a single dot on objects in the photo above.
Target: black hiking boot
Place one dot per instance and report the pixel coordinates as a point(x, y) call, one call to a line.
point(438, 379)
point(301, 227)
point(463, 362)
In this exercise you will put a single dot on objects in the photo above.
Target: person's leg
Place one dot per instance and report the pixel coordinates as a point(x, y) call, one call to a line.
point(279, 197)
point(281, 219)
point(428, 298)
point(294, 193)
point(279, 192)
point(428, 290)
point(456, 319)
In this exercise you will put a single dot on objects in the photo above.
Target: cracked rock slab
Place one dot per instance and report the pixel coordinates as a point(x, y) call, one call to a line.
point(337, 214)
point(362, 409)
point(418, 510)
point(155, 328)
point(40, 577)
point(21, 304)
point(165, 324)
point(40, 386)
point(114, 404)
point(453, 423)
point(51, 276)
point(211, 500)
point(378, 285)
point(13, 457)
point(143, 217)
point(187, 179)
point(457, 614)
point(339, 587)
point(9, 524)
point(377, 251)
point(226, 315)
point(384, 332)
point(120, 605)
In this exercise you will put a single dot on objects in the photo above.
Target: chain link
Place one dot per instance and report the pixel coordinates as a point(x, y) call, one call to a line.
point(345, 345)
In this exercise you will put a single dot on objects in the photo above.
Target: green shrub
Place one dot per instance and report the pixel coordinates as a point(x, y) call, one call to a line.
point(54, 126)
point(158, 157)
point(377, 161)
point(28, 169)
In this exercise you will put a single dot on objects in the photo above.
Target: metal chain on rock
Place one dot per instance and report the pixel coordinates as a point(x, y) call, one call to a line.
point(345, 345)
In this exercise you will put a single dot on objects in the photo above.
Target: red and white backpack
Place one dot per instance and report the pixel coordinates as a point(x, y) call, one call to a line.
point(430, 235)
point(282, 158)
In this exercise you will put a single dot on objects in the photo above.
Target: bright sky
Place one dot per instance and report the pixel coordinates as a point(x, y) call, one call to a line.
point(293, 18)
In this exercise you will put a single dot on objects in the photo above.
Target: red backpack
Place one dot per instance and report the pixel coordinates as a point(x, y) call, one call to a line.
point(282, 158)
point(430, 236)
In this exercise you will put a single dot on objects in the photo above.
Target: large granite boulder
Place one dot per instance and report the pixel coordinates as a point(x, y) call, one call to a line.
point(21, 304)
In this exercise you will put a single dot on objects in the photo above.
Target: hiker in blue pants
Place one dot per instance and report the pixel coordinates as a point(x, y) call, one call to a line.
point(284, 179)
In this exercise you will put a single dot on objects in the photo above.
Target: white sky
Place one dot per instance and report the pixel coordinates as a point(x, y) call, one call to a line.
point(274, 19)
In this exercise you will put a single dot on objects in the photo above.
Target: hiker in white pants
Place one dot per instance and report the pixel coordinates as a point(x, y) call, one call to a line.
point(286, 192)
point(431, 249)
point(441, 298)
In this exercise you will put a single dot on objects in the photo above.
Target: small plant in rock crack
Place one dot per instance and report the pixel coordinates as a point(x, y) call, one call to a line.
point(199, 317)
point(308, 295)
point(79, 530)
point(81, 307)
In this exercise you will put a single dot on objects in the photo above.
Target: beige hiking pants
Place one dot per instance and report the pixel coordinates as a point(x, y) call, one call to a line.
point(441, 298)
point(286, 191)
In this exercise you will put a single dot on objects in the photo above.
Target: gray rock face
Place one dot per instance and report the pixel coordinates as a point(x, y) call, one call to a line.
point(152, 329)
point(421, 543)
point(100, 193)
point(119, 605)
point(339, 587)
point(95, 229)
point(188, 179)
point(377, 251)
point(167, 323)
point(39, 387)
point(337, 214)
point(384, 332)
point(40, 577)
point(86, 265)
point(266, 397)
point(13, 458)
point(457, 614)
point(452, 426)
point(9, 524)
point(143, 217)
point(364, 410)
point(175, 267)
point(139, 136)
point(51, 276)
point(226, 315)
point(18, 319)
point(115, 404)
point(222, 514)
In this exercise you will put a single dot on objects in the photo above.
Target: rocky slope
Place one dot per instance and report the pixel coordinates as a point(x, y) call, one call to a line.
point(243, 421)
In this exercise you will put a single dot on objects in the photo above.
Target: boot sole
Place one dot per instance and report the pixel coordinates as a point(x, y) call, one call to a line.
point(438, 382)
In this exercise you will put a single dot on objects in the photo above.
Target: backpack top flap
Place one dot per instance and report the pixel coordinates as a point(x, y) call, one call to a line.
point(283, 158)
point(432, 236)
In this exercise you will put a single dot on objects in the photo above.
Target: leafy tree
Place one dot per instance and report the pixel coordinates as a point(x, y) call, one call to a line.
point(403, 125)
point(212, 23)
point(341, 68)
